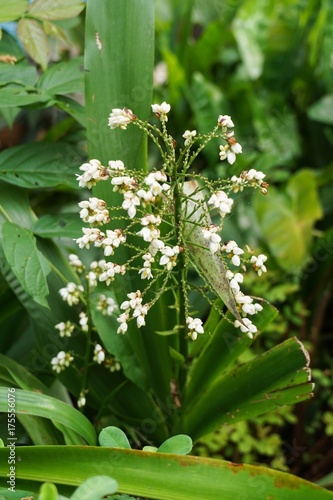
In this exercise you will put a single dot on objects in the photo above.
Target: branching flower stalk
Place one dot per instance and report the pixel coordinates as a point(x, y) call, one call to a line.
point(172, 217)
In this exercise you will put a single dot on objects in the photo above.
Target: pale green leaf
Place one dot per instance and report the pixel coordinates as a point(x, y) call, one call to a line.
point(113, 437)
point(35, 41)
point(28, 264)
point(322, 110)
point(48, 491)
point(55, 9)
point(95, 488)
point(178, 445)
point(10, 10)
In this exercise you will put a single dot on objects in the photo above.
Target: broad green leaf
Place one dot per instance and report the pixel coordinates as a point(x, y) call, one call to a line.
point(28, 264)
point(277, 377)
point(48, 491)
point(58, 226)
point(113, 437)
point(10, 10)
point(73, 108)
point(225, 344)
point(20, 73)
point(35, 41)
point(39, 165)
point(41, 405)
point(158, 476)
point(95, 488)
point(178, 445)
point(55, 9)
point(322, 110)
point(63, 78)
point(250, 50)
point(287, 219)
point(14, 97)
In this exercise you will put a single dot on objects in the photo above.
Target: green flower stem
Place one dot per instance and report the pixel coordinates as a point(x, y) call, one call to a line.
point(182, 272)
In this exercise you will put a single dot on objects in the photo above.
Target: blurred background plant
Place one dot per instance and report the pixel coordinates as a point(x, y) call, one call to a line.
point(269, 65)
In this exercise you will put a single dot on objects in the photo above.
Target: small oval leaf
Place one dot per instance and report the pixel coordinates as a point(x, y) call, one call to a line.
point(178, 445)
point(95, 488)
point(114, 438)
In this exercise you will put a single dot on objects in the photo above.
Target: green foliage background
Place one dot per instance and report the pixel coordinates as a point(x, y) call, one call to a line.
point(269, 65)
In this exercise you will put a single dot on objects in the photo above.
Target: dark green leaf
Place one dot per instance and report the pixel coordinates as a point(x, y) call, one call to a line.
point(63, 78)
point(28, 264)
point(57, 226)
point(39, 165)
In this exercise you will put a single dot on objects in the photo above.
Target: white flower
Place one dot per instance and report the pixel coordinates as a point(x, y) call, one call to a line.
point(112, 240)
point(258, 263)
point(116, 166)
point(65, 329)
point(94, 211)
point(236, 148)
point(248, 327)
point(161, 110)
point(81, 402)
point(213, 238)
point(106, 305)
point(109, 271)
point(124, 183)
point(221, 201)
point(61, 361)
point(189, 136)
point(235, 279)
point(146, 270)
point(131, 201)
point(151, 219)
point(99, 354)
point(169, 256)
point(90, 235)
point(84, 321)
point(122, 319)
point(121, 118)
point(92, 279)
point(225, 121)
point(75, 262)
point(71, 293)
point(155, 246)
point(149, 233)
point(92, 173)
point(233, 251)
point(195, 327)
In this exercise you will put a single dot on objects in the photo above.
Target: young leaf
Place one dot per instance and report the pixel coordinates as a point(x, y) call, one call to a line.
point(178, 445)
point(48, 491)
point(55, 9)
point(34, 40)
point(11, 10)
point(27, 262)
point(113, 437)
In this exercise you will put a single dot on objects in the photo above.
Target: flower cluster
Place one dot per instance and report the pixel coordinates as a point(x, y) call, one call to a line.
point(154, 215)
point(61, 361)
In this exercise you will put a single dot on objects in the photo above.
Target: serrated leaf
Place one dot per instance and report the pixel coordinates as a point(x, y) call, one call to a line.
point(49, 10)
point(113, 437)
point(35, 41)
point(12, 10)
point(64, 77)
point(39, 165)
point(27, 263)
point(95, 488)
point(178, 445)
